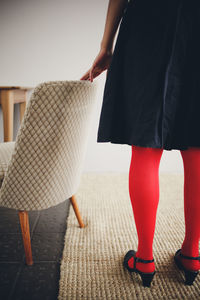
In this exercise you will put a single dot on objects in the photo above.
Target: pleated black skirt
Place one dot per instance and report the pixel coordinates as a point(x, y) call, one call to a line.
point(152, 91)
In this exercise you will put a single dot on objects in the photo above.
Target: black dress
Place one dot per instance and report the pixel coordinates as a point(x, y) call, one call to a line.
point(152, 90)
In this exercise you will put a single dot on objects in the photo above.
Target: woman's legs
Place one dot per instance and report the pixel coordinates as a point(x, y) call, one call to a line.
point(144, 195)
point(190, 246)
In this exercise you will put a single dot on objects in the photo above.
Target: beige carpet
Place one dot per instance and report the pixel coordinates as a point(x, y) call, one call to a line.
point(91, 266)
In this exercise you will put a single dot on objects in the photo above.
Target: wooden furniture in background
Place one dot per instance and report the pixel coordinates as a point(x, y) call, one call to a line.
point(9, 95)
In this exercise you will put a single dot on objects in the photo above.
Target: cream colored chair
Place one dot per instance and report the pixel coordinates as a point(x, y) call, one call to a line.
point(42, 168)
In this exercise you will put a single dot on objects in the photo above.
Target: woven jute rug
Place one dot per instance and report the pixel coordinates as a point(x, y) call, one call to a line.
point(91, 266)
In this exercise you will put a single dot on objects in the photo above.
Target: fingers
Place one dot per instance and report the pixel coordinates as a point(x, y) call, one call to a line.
point(88, 75)
point(94, 71)
point(91, 73)
point(85, 76)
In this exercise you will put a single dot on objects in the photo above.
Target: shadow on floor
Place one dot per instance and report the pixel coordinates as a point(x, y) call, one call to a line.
point(41, 280)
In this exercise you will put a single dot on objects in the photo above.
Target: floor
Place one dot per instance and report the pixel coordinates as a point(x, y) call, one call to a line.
point(41, 280)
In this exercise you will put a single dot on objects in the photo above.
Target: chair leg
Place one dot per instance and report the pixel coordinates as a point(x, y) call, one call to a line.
point(76, 210)
point(24, 222)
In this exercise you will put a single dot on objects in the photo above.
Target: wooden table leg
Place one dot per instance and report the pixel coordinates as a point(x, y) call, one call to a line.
point(22, 107)
point(7, 104)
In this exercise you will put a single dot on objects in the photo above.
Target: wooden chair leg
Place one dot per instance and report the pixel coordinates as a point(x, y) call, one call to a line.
point(76, 210)
point(24, 222)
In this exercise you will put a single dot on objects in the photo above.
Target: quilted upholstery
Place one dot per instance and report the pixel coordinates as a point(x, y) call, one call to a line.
point(46, 163)
point(6, 150)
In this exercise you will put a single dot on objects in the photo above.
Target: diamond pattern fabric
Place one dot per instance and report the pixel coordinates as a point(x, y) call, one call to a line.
point(6, 150)
point(43, 166)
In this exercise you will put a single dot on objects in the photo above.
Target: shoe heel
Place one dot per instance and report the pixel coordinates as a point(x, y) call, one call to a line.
point(146, 279)
point(190, 276)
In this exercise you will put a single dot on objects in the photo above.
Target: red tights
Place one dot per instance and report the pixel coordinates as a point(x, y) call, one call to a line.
point(144, 195)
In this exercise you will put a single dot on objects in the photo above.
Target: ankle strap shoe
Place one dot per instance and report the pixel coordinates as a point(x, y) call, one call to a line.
point(189, 257)
point(146, 277)
point(189, 275)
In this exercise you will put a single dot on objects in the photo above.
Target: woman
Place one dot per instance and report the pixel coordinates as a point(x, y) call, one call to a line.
point(152, 102)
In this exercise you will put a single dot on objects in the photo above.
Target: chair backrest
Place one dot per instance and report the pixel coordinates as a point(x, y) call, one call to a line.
point(50, 147)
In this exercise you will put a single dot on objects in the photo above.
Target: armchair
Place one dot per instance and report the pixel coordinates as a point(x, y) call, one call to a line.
point(42, 168)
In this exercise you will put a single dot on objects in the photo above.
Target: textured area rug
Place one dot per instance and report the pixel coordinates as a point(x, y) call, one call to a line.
point(91, 266)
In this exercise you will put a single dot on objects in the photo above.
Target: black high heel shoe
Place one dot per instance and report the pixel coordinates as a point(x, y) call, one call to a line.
point(146, 277)
point(189, 275)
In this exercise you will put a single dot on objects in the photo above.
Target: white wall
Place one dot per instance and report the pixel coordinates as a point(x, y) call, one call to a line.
point(58, 40)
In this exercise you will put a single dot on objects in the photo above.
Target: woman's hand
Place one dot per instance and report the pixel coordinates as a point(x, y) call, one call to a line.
point(101, 63)
point(115, 12)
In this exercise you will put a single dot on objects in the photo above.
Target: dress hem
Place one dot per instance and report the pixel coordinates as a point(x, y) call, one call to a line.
point(168, 148)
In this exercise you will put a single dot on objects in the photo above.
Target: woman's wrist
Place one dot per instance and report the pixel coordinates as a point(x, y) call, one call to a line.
point(108, 48)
